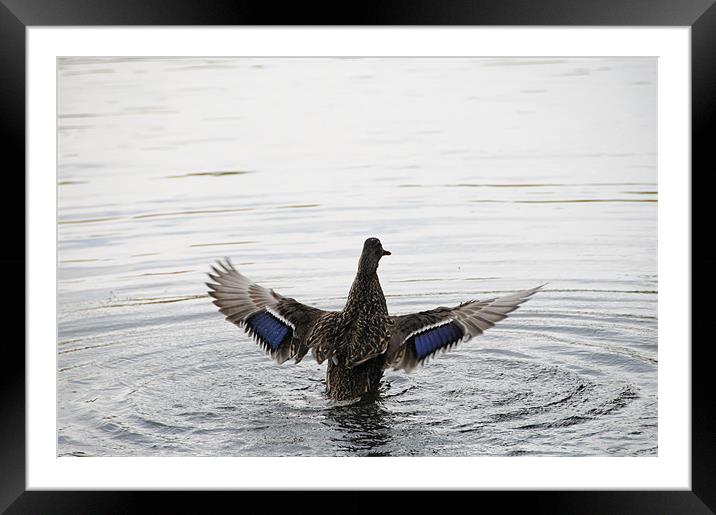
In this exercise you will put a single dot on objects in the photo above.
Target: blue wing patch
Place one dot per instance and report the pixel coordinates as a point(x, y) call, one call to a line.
point(268, 329)
point(436, 338)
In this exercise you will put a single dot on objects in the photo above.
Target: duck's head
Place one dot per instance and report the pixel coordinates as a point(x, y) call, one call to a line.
point(372, 252)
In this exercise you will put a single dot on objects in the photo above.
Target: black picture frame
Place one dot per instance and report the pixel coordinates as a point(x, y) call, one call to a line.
point(17, 15)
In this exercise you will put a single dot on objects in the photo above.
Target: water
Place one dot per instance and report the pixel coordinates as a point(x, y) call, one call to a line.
point(482, 176)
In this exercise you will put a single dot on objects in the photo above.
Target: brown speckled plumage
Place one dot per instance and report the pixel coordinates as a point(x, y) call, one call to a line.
point(360, 341)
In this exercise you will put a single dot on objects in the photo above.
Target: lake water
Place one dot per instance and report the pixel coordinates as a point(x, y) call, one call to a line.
point(482, 176)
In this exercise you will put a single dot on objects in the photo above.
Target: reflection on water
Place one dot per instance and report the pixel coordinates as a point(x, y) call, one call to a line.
point(362, 428)
point(482, 176)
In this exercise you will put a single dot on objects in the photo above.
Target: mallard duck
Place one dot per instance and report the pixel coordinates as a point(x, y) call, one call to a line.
point(363, 339)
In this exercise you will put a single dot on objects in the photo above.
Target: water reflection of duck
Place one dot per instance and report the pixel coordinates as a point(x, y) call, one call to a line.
point(362, 428)
point(360, 341)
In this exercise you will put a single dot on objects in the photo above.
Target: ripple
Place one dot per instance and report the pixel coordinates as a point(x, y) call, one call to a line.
point(221, 244)
point(192, 212)
point(178, 272)
point(90, 220)
point(151, 300)
point(221, 173)
point(609, 406)
point(298, 206)
point(564, 201)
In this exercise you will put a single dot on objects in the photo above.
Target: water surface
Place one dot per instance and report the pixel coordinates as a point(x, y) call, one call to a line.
point(482, 176)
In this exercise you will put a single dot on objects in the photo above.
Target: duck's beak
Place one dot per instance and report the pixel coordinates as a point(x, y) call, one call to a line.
point(386, 253)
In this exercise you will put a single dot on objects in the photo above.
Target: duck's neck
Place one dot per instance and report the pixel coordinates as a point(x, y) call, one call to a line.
point(365, 276)
point(365, 293)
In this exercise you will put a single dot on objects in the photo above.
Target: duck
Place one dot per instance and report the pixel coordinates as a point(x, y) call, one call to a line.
point(363, 339)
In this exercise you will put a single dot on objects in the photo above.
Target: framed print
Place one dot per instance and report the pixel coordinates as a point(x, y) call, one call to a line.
point(527, 171)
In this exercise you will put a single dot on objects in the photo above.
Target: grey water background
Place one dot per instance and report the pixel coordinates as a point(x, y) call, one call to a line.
point(482, 176)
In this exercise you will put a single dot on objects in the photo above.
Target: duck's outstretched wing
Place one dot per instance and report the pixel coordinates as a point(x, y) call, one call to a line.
point(278, 324)
point(417, 336)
